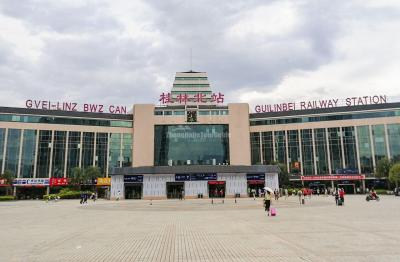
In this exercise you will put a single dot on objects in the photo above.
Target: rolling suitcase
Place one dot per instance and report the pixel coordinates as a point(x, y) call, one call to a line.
point(273, 211)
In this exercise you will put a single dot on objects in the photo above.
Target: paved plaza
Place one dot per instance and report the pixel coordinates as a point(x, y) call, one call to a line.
point(195, 230)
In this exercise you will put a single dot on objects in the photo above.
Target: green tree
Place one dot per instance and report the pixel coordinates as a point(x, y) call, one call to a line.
point(77, 177)
point(9, 177)
point(382, 167)
point(91, 173)
point(394, 174)
point(283, 175)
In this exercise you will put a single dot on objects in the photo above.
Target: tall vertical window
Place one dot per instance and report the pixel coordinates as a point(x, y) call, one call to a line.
point(280, 146)
point(255, 148)
point(114, 151)
point(12, 151)
point(335, 148)
point(74, 140)
point(28, 153)
point(267, 147)
point(127, 150)
point(2, 140)
point(294, 151)
point(59, 146)
point(87, 149)
point(349, 145)
point(44, 149)
point(394, 141)
point(321, 151)
point(378, 135)
point(307, 151)
point(365, 150)
point(101, 152)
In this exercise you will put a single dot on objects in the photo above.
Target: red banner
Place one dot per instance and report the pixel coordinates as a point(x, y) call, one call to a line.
point(216, 182)
point(334, 177)
point(256, 182)
point(58, 181)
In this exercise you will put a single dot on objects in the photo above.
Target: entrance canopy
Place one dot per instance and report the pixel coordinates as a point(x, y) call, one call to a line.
point(194, 169)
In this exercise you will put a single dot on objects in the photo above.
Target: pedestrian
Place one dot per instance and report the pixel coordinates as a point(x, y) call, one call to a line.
point(303, 199)
point(341, 195)
point(267, 201)
point(222, 192)
point(93, 197)
point(85, 198)
point(317, 191)
point(81, 202)
point(253, 192)
point(118, 195)
point(336, 197)
point(299, 193)
point(286, 193)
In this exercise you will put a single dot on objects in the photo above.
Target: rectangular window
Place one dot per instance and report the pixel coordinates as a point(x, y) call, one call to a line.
point(394, 141)
point(12, 151)
point(74, 145)
point(114, 151)
point(307, 151)
point(44, 149)
point(267, 148)
point(255, 148)
point(87, 149)
point(28, 153)
point(191, 145)
point(365, 150)
point(101, 152)
point(2, 141)
point(294, 151)
point(280, 146)
point(378, 136)
point(321, 151)
point(349, 145)
point(127, 149)
point(59, 148)
point(335, 148)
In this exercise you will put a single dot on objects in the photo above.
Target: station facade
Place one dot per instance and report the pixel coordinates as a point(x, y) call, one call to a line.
point(194, 145)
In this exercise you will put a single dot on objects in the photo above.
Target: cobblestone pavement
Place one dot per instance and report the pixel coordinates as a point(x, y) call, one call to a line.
point(196, 230)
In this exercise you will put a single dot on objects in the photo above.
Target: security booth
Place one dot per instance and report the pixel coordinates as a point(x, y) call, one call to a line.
point(256, 184)
point(133, 186)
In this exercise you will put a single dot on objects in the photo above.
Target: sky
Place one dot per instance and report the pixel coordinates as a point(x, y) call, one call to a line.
point(257, 52)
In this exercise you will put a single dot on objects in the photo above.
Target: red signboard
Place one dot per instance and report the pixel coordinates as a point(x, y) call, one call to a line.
point(3, 182)
point(58, 181)
point(216, 182)
point(334, 177)
point(256, 182)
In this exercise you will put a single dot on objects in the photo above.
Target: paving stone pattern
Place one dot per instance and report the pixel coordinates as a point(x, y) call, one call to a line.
point(196, 230)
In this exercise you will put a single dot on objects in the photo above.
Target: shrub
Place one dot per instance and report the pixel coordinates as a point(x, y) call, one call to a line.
point(65, 194)
point(7, 198)
point(381, 191)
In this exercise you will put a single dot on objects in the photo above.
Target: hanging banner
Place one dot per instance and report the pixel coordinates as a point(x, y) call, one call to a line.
point(334, 177)
point(104, 181)
point(31, 182)
point(58, 181)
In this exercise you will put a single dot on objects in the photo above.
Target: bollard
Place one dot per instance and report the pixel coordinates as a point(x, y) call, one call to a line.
point(235, 200)
point(151, 202)
point(223, 201)
point(212, 200)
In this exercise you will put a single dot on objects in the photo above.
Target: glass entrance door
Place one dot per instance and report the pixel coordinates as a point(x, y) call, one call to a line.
point(133, 190)
point(175, 189)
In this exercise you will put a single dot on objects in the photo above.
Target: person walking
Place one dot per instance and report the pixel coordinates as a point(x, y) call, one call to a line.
point(81, 201)
point(267, 201)
point(337, 197)
point(341, 195)
point(317, 191)
point(299, 193)
point(286, 193)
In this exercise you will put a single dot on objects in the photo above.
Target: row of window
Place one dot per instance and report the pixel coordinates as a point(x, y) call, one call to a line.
point(182, 112)
point(64, 120)
point(191, 85)
point(190, 78)
point(325, 150)
point(307, 119)
point(46, 153)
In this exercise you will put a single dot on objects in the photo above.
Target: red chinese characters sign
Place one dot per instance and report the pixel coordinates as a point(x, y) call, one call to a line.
point(58, 181)
point(334, 177)
point(167, 98)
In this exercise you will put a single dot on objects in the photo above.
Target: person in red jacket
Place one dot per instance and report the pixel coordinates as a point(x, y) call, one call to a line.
point(341, 195)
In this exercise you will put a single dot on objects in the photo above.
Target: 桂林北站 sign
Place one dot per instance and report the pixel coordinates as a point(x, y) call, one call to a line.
point(320, 104)
point(72, 106)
